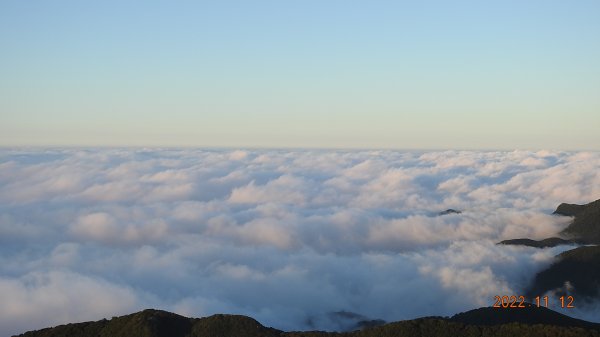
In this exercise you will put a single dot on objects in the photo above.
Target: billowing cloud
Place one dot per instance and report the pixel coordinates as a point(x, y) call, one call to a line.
point(39, 299)
point(292, 238)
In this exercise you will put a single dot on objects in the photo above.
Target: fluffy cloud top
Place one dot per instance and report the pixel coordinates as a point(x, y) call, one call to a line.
point(288, 237)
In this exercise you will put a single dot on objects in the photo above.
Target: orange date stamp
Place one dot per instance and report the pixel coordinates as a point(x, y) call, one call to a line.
point(516, 302)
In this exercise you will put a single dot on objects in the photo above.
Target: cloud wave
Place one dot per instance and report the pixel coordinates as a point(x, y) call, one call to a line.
point(288, 237)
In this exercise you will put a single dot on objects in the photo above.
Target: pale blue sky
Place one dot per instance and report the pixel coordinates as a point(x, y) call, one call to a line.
point(351, 74)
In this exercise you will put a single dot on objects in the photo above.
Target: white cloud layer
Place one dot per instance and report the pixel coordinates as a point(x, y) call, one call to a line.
point(287, 237)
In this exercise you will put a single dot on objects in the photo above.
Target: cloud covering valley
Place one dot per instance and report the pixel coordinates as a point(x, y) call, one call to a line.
point(285, 236)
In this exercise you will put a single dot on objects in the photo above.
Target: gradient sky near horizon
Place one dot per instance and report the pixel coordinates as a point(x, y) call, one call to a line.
point(349, 74)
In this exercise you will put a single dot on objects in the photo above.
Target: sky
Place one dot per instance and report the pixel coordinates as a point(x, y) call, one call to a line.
point(289, 237)
point(325, 74)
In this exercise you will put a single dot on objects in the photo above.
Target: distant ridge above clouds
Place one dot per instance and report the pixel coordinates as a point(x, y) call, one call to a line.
point(575, 272)
point(583, 229)
point(586, 223)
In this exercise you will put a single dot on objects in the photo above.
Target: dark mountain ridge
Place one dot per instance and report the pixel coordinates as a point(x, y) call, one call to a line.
point(575, 272)
point(531, 314)
point(568, 209)
point(530, 321)
point(545, 243)
point(584, 229)
point(158, 323)
point(586, 221)
point(449, 211)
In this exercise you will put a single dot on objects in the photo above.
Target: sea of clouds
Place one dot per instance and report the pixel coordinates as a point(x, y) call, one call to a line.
point(289, 237)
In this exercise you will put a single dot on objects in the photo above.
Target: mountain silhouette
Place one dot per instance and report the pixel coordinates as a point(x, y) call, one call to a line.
point(545, 243)
point(575, 272)
point(584, 229)
point(449, 211)
point(158, 323)
point(531, 321)
point(531, 314)
point(586, 222)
